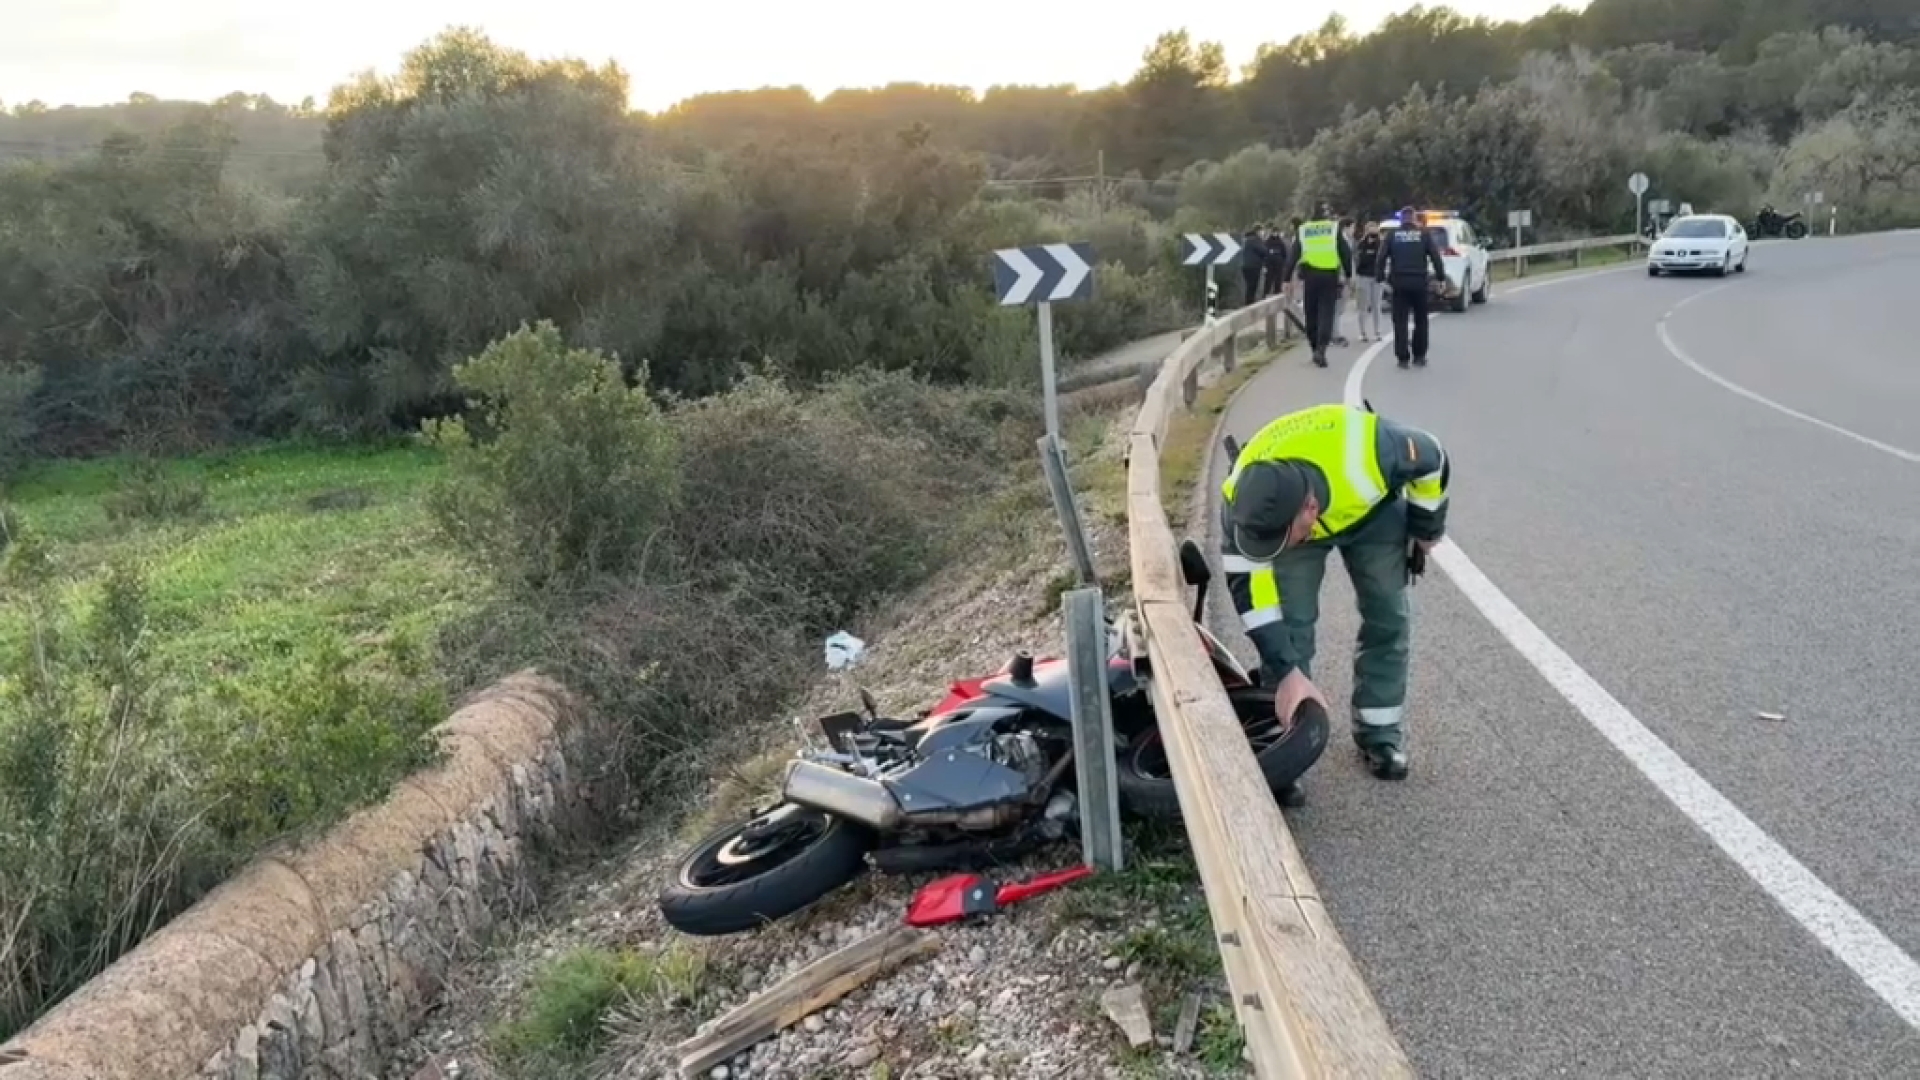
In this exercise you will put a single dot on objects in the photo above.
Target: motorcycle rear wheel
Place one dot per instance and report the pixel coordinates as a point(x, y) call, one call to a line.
point(1146, 782)
point(731, 882)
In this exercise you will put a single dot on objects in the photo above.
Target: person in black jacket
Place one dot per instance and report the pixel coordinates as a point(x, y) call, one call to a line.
point(1404, 257)
point(1277, 265)
point(1253, 259)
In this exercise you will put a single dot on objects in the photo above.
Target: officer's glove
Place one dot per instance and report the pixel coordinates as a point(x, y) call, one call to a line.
point(1416, 560)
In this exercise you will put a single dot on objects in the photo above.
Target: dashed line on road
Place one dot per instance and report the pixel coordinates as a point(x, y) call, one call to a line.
point(1873, 957)
point(1673, 349)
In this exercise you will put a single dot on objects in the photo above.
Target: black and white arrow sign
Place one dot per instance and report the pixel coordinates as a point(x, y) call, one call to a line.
point(1210, 249)
point(1043, 273)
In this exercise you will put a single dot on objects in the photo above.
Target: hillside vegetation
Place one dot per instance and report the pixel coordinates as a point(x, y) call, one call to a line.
point(312, 418)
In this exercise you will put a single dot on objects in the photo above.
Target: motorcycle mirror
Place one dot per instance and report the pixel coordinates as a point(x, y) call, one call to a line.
point(1193, 564)
point(872, 706)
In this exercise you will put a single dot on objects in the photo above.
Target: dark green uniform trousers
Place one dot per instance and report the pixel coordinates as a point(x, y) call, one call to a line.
point(1376, 558)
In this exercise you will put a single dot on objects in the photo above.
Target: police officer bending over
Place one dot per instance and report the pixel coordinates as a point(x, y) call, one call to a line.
point(1404, 260)
point(1334, 476)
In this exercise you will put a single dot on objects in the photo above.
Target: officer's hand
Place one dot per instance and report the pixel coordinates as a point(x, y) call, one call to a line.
point(1293, 690)
point(1426, 545)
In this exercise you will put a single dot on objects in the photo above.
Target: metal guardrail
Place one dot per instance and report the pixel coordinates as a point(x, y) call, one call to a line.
point(1301, 1002)
point(1564, 247)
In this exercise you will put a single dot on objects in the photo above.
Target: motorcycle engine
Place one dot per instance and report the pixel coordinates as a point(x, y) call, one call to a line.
point(1020, 751)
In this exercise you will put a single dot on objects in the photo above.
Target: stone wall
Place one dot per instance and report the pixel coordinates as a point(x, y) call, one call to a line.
point(317, 962)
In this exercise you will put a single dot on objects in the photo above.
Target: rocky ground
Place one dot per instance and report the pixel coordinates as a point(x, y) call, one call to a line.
point(1016, 995)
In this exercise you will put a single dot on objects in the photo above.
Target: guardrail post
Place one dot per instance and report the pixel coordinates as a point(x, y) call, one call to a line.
point(1084, 612)
point(1576, 258)
point(1230, 351)
point(1053, 462)
point(1190, 387)
point(1273, 330)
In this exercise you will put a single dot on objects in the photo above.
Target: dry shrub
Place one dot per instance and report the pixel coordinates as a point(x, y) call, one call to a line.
point(792, 512)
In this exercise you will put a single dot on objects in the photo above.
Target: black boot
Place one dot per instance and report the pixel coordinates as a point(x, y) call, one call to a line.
point(1290, 796)
point(1385, 761)
point(1319, 358)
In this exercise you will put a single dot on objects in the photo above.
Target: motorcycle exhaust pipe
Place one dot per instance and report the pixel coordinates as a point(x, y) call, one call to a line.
point(842, 794)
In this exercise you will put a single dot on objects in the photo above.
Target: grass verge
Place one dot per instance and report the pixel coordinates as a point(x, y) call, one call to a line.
point(1189, 441)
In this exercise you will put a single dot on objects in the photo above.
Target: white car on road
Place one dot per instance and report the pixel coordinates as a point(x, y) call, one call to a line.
point(1461, 252)
point(1699, 242)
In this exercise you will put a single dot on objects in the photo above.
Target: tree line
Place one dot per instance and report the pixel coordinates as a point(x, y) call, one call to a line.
point(175, 276)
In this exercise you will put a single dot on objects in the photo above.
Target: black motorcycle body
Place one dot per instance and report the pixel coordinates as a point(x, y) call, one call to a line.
point(982, 777)
point(1791, 226)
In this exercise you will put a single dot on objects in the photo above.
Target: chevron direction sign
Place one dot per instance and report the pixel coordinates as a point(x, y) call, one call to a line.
point(1043, 274)
point(1209, 249)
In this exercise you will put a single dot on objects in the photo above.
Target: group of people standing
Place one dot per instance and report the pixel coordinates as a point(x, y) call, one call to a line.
point(1332, 264)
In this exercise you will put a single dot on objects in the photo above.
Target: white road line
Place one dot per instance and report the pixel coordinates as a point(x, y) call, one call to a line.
point(1680, 354)
point(1879, 963)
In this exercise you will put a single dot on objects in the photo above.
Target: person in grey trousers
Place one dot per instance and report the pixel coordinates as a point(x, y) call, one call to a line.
point(1346, 286)
point(1367, 253)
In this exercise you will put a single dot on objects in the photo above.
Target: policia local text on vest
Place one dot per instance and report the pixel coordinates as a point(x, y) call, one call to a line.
point(1334, 476)
point(1325, 260)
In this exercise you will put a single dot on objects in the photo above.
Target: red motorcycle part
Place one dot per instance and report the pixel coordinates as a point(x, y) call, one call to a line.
point(957, 896)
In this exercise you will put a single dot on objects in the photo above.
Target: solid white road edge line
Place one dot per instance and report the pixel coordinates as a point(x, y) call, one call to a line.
point(1872, 956)
point(1673, 349)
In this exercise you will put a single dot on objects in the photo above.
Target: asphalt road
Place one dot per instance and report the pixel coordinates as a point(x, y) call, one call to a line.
point(1622, 870)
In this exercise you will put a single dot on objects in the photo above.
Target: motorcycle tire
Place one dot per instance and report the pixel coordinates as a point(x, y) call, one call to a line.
point(1796, 230)
point(1146, 785)
point(833, 857)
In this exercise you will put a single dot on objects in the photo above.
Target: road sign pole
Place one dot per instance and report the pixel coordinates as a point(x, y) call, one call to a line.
point(1213, 296)
point(1049, 387)
point(1042, 275)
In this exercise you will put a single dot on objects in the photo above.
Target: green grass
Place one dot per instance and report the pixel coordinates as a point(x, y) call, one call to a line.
point(561, 1021)
point(292, 544)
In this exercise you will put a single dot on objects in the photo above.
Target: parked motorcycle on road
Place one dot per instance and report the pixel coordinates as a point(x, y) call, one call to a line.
point(1770, 223)
point(982, 777)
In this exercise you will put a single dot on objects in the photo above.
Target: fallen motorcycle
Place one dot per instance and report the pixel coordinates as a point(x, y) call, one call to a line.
point(983, 777)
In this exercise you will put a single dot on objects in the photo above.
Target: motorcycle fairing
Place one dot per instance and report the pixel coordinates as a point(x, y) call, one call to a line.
point(957, 771)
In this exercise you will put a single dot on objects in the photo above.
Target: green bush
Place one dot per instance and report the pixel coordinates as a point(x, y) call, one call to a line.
point(151, 491)
point(561, 471)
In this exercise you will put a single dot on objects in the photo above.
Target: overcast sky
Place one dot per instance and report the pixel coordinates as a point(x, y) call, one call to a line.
point(97, 51)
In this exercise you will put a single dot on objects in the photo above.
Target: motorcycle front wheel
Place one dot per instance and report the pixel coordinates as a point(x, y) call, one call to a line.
point(751, 873)
point(1146, 780)
point(1796, 230)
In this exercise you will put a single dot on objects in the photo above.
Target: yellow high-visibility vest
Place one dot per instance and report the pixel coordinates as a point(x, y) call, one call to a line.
point(1320, 244)
point(1337, 439)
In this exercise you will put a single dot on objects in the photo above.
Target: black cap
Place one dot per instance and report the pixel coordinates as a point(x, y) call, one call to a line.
point(1266, 499)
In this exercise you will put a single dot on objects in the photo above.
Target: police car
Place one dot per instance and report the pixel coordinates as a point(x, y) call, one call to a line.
point(1461, 252)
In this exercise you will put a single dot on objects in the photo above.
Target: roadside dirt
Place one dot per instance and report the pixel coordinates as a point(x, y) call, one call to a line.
point(1013, 996)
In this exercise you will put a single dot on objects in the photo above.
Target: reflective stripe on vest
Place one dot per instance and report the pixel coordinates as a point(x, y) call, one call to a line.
point(1320, 245)
point(1337, 439)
